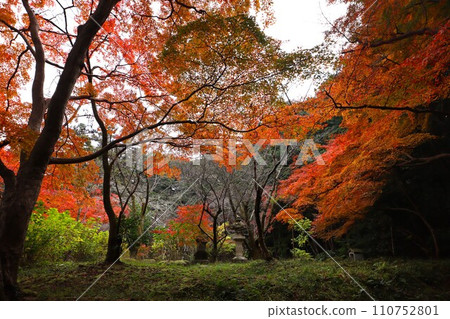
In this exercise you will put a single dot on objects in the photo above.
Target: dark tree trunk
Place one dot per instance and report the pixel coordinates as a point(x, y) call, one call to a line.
point(114, 242)
point(253, 248)
point(251, 242)
point(114, 238)
point(21, 191)
point(259, 226)
point(215, 241)
point(18, 201)
point(11, 245)
point(134, 251)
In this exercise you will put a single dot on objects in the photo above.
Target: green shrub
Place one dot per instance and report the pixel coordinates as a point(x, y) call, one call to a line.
point(301, 240)
point(226, 250)
point(53, 236)
point(300, 254)
point(134, 228)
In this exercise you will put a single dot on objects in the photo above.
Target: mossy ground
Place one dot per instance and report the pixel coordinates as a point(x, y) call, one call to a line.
point(255, 280)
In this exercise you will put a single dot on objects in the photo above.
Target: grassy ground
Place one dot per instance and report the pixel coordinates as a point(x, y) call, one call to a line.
point(256, 280)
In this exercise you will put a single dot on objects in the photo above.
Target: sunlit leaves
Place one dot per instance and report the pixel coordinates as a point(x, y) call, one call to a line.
point(397, 56)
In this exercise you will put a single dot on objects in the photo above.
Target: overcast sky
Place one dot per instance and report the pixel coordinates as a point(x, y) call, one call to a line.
point(301, 23)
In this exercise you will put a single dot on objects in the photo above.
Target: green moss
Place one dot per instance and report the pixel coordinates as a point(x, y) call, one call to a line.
point(256, 280)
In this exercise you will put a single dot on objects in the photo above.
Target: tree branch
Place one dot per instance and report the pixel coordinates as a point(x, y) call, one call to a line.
point(16, 69)
point(7, 174)
point(116, 142)
point(104, 100)
point(374, 44)
point(416, 161)
point(20, 33)
point(200, 223)
point(400, 37)
point(43, 148)
point(37, 90)
point(419, 109)
point(184, 5)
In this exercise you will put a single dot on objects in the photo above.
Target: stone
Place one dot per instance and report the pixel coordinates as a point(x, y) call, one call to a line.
point(356, 254)
point(201, 255)
point(239, 242)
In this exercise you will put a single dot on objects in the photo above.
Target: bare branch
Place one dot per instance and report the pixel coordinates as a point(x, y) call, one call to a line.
point(13, 75)
point(419, 109)
point(116, 142)
point(424, 31)
point(184, 5)
point(104, 100)
point(416, 161)
point(22, 35)
point(200, 222)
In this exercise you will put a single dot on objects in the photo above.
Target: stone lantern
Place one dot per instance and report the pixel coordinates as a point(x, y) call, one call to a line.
point(237, 232)
point(356, 254)
point(201, 256)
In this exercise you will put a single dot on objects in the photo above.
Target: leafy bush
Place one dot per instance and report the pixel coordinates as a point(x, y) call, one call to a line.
point(53, 236)
point(134, 228)
point(227, 250)
point(143, 252)
point(168, 244)
point(300, 241)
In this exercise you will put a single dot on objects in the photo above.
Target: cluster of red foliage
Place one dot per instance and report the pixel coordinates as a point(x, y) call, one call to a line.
point(190, 224)
point(395, 65)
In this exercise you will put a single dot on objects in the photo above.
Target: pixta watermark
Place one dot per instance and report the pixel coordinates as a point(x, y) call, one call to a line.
point(230, 152)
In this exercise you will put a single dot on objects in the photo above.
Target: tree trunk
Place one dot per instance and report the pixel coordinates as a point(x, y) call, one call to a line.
point(253, 248)
point(259, 226)
point(14, 220)
point(215, 252)
point(15, 210)
point(21, 191)
point(251, 242)
point(134, 251)
point(114, 242)
point(114, 238)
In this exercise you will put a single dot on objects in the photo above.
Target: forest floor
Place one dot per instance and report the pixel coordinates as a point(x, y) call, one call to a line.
point(255, 280)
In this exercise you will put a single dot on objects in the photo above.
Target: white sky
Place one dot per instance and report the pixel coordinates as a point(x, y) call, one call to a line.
point(299, 23)
point(302, 23)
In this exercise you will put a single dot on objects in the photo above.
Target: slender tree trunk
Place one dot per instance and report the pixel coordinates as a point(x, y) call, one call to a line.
point(114, 239)
point(215, 252)
point(134, 251)
point(392, 241)
point(259, 226)
point(114, 242)
point(251, 242)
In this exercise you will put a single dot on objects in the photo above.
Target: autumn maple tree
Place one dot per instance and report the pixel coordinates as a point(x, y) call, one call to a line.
point(190, 225)
point(208, 65)
point(125, 78)
point(162, 74)
point(392, 79)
